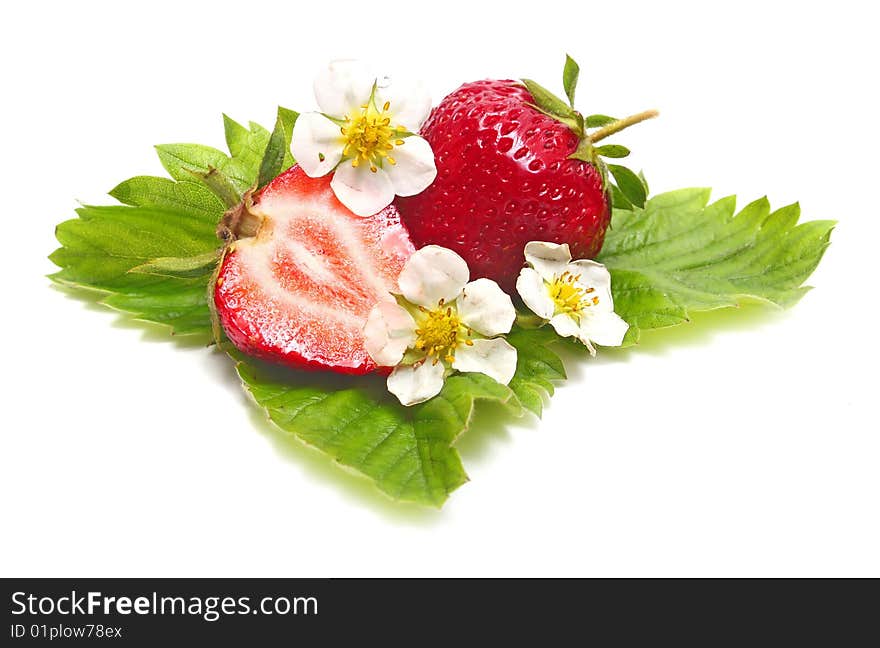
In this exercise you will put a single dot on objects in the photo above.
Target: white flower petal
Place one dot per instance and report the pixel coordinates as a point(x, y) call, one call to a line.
point(495, 358)
point(388, 333)
point(604, 328)
point(363, 191)
point(343, 87)
point(486, 308)
point(410, 103)
point(415, 384)
point(533, 290)
point(549, 259)
point(316, 144)
point(565, 326)
point(431, 274)
point(414, 169)
point(596, 276)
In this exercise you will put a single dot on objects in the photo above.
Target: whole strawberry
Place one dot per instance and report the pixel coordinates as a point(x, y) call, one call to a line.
point(516, 164)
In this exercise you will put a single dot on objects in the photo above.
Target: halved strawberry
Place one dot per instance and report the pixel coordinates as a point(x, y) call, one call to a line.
point(298, 283)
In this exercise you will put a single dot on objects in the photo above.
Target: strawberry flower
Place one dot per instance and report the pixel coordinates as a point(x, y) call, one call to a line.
point(441, 323)
point(574, 296)
point(364, 135)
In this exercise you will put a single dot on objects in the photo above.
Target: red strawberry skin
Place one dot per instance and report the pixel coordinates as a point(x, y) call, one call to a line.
point(299, 292)
point(504, 179)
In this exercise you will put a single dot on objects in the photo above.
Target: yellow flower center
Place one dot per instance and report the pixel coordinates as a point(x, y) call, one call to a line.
point(441, 332)
point(369, 136)
point(569, 296)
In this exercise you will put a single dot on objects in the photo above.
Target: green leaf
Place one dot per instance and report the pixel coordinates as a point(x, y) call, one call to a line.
point(153, 257)
point(186, 267)
point(184, 162)
point(547, 101)
point(102, 246)
point(246, 146)
point(180, 160)
point(277, 154)
point(220, 185)
point(407, 452)
point(187, 197)
point(536, 366)
point(612, 151)
point(288, 117)
point(680, 254)
point(644, 183)
point(180, 304)
point(618, 200)
point(236, 135)
point(629, 183)
point(597, 121)
point(570, 74)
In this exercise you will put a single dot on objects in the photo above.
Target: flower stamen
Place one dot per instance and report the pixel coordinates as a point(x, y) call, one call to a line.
point(368, 135)
point(569, 296)
point(440, 332)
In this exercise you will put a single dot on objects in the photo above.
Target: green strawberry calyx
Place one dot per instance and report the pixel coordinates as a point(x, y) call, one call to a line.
point(628, 189)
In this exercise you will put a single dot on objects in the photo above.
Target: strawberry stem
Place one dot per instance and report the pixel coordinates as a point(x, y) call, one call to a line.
point(239, 221)
point(620, 124)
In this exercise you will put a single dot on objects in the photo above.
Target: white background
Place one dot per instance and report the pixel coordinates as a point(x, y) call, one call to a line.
point(743, 444)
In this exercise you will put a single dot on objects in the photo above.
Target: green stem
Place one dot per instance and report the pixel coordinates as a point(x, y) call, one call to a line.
point(620, 124)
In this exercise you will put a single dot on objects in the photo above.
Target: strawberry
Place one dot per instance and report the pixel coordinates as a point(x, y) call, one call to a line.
point(515, 164)
point(302, 273)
